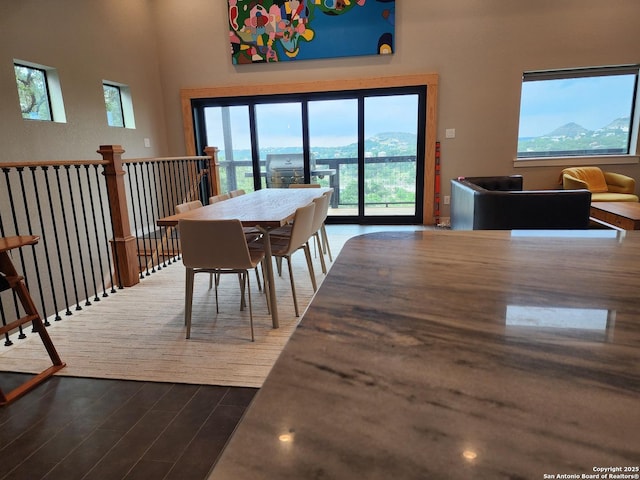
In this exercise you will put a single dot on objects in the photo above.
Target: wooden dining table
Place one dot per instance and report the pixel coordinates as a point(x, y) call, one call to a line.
point(264, 209)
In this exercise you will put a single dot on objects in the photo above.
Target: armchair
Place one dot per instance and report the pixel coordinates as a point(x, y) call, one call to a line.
point(500, 203)
point(604, 186)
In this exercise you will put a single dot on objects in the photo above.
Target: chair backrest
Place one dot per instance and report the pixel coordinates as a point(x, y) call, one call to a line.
point(185, 207)
point(213, 244)
point(304, 185)
point(320, 213)
point(302, 227)
point(219, 198)
point(328, 195)
point(592, 176)
point(236, 193)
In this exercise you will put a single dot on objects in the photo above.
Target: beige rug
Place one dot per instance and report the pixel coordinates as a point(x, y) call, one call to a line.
point(139, 334)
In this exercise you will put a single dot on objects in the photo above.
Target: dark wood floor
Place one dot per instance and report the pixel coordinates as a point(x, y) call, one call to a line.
point(82, 428)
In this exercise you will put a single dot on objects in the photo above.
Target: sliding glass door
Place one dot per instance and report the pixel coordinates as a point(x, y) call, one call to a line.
point(367, 145)
point(333, 141)
point(390, 176)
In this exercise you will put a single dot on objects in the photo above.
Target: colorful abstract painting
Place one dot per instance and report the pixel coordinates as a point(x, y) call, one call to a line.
point(286, 30)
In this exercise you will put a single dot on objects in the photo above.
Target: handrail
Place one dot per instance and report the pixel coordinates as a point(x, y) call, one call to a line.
point(97, 222)
point(160, 159)
point(51, 163)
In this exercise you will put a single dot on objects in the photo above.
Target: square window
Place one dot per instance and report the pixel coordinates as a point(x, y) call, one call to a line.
point(113, 103)
point(581, 112)
point(35, 102)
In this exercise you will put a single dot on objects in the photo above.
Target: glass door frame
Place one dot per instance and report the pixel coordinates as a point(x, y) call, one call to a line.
point(427, 82)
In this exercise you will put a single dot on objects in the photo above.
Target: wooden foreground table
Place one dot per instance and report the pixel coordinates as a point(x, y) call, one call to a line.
point(457, 355)
point(624, 215)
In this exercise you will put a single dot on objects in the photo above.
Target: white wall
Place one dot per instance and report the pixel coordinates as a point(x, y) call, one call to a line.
point(87, 41)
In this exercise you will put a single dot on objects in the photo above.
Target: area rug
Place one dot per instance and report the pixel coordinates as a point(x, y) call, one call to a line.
point(138, 333)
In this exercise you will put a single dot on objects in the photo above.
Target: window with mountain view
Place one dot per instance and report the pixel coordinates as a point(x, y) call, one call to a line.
point(579, 112)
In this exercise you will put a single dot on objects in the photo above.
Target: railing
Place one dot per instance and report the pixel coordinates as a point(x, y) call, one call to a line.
point(390, 180)
point(96, 222)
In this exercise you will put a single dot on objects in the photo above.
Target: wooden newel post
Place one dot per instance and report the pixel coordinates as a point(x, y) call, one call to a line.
point(124, 244)
point(214, 175)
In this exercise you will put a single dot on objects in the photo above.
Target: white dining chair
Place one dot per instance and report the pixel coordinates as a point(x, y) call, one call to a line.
point(186, 206)
point(219, 198)
point(319, 216)
point(283, 246)
point(225, 251)
point(251, 234)
point(323, 228)
point(318, 229)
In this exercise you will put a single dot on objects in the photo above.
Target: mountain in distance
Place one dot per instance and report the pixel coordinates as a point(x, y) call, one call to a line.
point(387, 144)
point(575, 137)
point(569, 130)
point(572, 129)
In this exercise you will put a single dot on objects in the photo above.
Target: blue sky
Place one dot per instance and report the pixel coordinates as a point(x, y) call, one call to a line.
point(591, 102)
point(332, 122)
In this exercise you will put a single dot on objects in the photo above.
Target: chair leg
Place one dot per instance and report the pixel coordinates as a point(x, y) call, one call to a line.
point(319, 244)
point(243, 303)
point(188, 300)
point(258, 279)
point(307, 253)
point(325, 241)
point(245, 275)
point(212, 277)
point(293, 286)
point(216, 283)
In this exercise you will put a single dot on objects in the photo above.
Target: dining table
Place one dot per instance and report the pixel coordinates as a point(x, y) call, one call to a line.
point(440, 354)
point(264, 209)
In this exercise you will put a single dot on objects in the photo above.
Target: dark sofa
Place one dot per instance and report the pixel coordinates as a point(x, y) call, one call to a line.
point(499, 203)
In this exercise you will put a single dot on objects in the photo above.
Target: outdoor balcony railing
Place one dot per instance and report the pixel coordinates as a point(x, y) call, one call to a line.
point(390, 180)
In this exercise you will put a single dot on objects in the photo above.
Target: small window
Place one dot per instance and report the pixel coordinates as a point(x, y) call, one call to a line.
point(113, 102)
point(583, 112)
point(117, 100)
point(35, 102)
point(39, 92)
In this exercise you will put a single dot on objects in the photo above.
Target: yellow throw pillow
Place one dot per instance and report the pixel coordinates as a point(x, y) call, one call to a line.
point(592, 176)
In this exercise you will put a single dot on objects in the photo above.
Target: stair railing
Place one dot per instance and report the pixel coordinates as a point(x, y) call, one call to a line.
point(83, 211)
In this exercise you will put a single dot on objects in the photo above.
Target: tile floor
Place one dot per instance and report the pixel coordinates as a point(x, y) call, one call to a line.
point(82, 428)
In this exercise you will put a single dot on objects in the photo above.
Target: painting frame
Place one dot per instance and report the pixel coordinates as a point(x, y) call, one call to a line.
point(266, 31)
